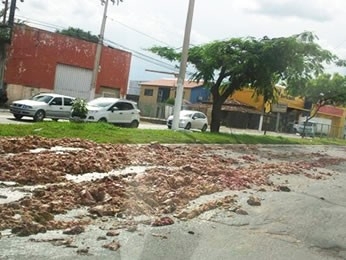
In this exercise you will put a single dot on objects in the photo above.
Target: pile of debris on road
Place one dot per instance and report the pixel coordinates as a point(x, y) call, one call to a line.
point(175, 176)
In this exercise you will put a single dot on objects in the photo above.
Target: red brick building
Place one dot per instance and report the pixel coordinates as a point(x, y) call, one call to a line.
point(42, 61)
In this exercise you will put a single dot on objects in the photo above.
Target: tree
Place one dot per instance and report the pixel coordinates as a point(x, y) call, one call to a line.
point(79, 34)
point(230, 65)
point(326, 89)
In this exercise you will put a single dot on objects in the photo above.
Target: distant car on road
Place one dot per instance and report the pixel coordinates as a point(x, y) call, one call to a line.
point(190, 119)
point(305, 128)
point(113, 110)
point(44, 105)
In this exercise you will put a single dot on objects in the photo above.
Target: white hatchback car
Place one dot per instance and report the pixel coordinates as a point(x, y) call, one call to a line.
point(113, 110)
point(44, 105)
point(190, 119)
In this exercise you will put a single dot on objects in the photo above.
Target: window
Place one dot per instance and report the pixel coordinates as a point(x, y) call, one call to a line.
point(201, 115)
point(68, 101)
point(43, 98)
point(124, 106)
point(57, 101)
point(148, 92)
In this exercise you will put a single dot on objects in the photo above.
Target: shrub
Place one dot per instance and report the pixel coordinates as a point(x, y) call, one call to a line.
point(79, 108)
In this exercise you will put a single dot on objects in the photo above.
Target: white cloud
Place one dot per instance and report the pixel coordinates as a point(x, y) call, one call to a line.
point(305, 10)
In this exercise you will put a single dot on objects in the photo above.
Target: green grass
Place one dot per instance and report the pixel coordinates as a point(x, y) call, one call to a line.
point(106, 133)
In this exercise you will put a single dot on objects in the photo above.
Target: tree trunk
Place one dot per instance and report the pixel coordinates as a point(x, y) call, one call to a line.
point(219, 99)
point(216, 117)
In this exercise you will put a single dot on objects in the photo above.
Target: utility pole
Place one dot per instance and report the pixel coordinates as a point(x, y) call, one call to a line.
point(181, 78)
point(6, 32)
point(97, 68)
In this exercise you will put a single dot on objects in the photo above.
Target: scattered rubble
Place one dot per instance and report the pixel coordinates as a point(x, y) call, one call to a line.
point(173, 177)
point(74, 230)
point(114, 245)
point(113, 233)
point(254, 201)
point(163, 221)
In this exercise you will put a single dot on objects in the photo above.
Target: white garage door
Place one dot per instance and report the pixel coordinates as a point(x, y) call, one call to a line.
point(72, 81)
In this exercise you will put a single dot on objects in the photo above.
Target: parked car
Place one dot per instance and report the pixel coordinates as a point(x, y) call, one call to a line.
point(190, 119)
point(113, 110)
point(308, 130)
point(44, 105)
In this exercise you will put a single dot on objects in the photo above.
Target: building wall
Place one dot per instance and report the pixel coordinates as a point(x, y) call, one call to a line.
point(145, 99)
point(149, 105)
point(247, 96)
point(338, 116)
point(199, 94)
point(34, 55)
point(186, 94)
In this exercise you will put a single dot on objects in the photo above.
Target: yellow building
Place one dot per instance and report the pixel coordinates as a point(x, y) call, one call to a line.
point(337, 116)
point(247, 96)
point(292, 109)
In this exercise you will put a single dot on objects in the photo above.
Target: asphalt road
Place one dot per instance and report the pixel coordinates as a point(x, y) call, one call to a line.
point(308, 222)
point(7, 118)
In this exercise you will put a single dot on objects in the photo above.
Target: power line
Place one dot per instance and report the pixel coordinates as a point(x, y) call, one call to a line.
point(135, 53)
point(137, 31)
point(143, 56)
point(37, 22)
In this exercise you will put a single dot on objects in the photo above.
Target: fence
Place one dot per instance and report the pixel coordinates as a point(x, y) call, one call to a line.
point(241, 120)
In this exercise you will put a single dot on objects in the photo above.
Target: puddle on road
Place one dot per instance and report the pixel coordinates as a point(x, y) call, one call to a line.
point(7, 183)
point(10, 192)
point(8, 195)
point(56, 149)
point(97, 175)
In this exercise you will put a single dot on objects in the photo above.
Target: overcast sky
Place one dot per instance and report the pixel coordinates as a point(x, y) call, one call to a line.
point(140, 24)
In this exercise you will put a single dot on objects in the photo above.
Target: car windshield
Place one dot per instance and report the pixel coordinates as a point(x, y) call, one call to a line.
point(42, 98)
point(100, 103)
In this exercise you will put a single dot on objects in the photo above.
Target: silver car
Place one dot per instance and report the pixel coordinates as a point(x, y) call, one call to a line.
point(45, 105)
point(190, 119)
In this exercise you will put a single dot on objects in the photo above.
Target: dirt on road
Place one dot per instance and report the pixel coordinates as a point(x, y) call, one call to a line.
point(68, 185)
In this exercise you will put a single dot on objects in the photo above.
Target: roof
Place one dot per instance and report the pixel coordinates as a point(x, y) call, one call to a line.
point(53, 94)
point(171, 83)
point(232, 105)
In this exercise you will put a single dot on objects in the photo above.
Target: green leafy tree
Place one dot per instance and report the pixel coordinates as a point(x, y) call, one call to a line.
point(326, 89)
point(79, 34)
point(230, 65)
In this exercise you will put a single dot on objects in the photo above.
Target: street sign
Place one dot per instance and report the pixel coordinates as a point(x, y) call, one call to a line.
point(279, 108)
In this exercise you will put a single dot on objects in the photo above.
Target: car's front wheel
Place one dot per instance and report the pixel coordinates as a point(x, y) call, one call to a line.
point(18, 117)
point(188, 126)
point(39, 116)
point(102, 120)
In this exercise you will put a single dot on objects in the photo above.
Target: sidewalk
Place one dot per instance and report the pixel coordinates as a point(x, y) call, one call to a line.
point(229, 130)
